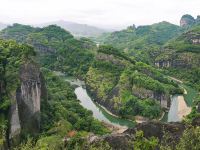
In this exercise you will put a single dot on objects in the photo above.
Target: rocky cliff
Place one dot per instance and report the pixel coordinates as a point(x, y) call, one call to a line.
point(182, 52)
point(187, 20)
point(25, 107)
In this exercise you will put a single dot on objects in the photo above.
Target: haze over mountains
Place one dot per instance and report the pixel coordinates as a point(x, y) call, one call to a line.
point(2, 26)
point(76, 29)
point(85, 30)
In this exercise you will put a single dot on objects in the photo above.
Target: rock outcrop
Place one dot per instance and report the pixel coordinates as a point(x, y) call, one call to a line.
point(25, 108)
point(187, 20)
point(115, 141)
point(143, 93)
point(124, 140)
point(29, 97)
point(179, 60)
point(15, 126)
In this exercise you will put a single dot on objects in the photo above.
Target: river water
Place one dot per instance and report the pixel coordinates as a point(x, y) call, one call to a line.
point(177, 111)
point(98, 112)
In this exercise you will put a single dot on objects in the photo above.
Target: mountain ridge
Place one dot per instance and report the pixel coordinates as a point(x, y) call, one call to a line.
point(77, 29)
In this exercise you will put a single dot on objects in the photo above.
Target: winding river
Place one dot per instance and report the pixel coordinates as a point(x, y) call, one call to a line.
point(98, 112)
point(180, 105)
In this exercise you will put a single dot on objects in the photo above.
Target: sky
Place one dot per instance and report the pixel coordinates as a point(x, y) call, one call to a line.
point(100, 13)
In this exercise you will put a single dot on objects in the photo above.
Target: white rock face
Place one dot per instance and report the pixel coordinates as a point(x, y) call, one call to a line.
point(30, 93)
point(25, 108)
point(30, 97)
point(196, 41)
point(15, 127)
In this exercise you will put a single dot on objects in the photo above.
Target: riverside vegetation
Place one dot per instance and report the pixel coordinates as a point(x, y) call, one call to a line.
point(129, 79)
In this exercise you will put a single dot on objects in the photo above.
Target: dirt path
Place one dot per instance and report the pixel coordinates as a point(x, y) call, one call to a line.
point(114, 128)
point(177, 80)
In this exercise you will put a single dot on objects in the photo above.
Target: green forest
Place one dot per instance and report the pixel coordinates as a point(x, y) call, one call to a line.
point(132, 74)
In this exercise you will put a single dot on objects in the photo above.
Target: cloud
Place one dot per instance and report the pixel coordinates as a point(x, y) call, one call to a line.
point(103, 13)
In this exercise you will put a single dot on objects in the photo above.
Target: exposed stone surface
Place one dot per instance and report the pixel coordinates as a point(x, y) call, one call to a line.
point(196, 121)
point(15, 127)
point(157, 129)
point(179, 60)
point(110, 58)
point(163, 63)
point(115, 141)
point(196, 41)
point(143, 93)
point(29, 97)
point(25, 108)
point(187, 20)
point(198, 19)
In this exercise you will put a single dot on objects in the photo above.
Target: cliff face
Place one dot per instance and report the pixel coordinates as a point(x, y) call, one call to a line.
point(187, 20)
point(163, 99)
point(183, 52)
point(179, 60)
point(25, 108)
point(29, 96)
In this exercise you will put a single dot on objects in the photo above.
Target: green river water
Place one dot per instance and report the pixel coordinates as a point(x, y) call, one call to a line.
point(101, 114)
point(98, 112)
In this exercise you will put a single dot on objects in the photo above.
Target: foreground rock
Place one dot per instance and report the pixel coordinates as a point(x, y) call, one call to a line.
point(25, 107)
point(124, 140)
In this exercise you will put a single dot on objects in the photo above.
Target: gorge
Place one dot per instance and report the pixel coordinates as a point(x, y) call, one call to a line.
point(138, 89)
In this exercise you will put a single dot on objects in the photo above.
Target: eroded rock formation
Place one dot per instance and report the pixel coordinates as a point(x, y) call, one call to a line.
point(25, 108)
point(187, 20)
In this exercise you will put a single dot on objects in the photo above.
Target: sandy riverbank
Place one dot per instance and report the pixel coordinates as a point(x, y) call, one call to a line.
point(183, 109)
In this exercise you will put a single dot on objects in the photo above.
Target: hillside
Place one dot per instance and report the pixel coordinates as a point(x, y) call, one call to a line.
point(56, 48)
point(141, 40)
point(40, 110)
point(126, 87)
point(181, 56)
point(34, 101)
point(79, 30)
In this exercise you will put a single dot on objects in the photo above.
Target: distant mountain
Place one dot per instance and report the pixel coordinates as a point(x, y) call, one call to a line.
point(2, 26)
point(56, 48)
point(141, 40)
point(188, 20)
point(76, 29)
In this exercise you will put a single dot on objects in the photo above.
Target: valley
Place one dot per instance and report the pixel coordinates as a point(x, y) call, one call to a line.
point(137, 89)
point(99, 112)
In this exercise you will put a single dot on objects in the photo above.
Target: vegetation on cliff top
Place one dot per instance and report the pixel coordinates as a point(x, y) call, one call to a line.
point(12, 55)
point(143, 40)
point(121, 84)
point(57, 49)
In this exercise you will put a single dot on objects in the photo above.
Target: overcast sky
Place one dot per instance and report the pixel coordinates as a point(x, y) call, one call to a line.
point(101, 13)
